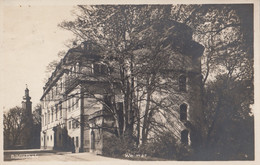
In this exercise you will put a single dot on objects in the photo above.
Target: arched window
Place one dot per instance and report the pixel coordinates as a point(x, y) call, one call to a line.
point(184, 137)
point(182, 83)
point(183, 112)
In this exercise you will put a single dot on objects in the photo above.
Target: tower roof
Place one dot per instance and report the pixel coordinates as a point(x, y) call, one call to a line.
point(27, 96)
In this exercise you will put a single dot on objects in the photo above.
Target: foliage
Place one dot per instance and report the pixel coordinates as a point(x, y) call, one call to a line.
point(15, 122)
point(118, 146)
point(231, 122)
point(119, 31)
point(166, 146)
point(37, 114)
point(52, 65)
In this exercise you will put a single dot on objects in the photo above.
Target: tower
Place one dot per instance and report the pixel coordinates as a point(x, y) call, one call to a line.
point(26, 137)
point(27, 104)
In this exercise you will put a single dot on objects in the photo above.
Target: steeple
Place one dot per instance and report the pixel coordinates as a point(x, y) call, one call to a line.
point(26, 96)
point(26, 103)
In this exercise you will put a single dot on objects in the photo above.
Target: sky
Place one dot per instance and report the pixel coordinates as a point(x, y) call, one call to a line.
point(31, 39)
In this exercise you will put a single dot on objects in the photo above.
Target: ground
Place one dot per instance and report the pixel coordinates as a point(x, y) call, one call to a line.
point(49, 155)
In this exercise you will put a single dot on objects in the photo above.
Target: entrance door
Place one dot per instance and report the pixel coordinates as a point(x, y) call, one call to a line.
point(44, 142)
point(92, 146)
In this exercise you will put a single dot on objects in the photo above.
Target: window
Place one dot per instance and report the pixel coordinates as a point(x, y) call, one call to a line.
point(60, 85)
point(52, 93)
point(77, 69)
point(69, 104)
point(45, 117)
point(60, 111)
point(182, 83)
point(75, 124)
point(73, 103)
point(96, 68)
point(183, 112)
point(56, 89)
point(77, 102)
point(49, 117)
point(69, 124)
point(103, 69)
point(56, 111)
point(51, 114)
point(184, 137)
point(100, 69)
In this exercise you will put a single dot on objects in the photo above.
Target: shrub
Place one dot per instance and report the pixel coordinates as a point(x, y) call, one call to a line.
point(118, 146)
point(166, 146)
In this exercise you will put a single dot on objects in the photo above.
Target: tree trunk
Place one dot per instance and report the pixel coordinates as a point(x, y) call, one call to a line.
point(144, 130)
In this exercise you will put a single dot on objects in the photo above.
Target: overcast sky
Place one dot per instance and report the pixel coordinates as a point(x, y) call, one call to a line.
point(31, 40)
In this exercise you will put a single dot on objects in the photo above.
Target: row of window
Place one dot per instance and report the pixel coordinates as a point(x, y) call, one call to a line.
point(97, 68)
point(73, 124)
point(47, 138)
point(52, 115)
point(72, 103)
point(55, 90)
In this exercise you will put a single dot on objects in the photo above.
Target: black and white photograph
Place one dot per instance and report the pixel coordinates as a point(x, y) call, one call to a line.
point(129, 82)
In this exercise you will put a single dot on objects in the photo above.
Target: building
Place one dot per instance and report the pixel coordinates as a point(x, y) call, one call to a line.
point(26, 137)
point(75, 111)
point(71, 112)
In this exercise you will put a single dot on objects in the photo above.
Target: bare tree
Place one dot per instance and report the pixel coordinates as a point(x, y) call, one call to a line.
point(14, 124)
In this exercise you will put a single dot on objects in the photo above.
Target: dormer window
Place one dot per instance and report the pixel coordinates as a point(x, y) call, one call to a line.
point(86, 46)
point(99, 69)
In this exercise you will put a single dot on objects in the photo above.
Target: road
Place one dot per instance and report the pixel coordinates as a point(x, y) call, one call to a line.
point(49, 155)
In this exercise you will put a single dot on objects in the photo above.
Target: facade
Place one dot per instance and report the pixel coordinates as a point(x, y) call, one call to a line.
point(74, 116)
point(71, 112)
